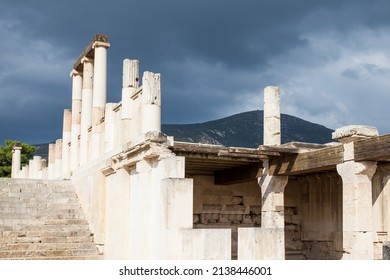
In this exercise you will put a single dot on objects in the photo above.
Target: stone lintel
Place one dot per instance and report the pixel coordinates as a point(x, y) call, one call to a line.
point(87, 52)
point(351, 133)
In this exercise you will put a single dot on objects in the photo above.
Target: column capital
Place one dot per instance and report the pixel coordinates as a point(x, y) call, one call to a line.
point(350, 170)
point(99, 44)
point(17, 146)
point(86, 60)
point(351, 133)
point(75, 73)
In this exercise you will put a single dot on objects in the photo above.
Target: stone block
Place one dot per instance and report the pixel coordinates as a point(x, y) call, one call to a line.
point(354, 131)
point(261, 244)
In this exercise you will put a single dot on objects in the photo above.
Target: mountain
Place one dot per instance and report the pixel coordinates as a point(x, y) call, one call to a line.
point(246, 130)
point(240, 130)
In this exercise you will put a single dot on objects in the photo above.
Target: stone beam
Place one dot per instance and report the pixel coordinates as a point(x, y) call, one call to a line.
point(88, 51)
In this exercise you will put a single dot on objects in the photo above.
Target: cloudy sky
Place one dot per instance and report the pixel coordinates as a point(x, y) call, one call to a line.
point(330, 58)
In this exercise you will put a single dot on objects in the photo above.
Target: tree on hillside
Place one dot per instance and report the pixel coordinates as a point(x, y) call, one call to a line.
point(6, 156)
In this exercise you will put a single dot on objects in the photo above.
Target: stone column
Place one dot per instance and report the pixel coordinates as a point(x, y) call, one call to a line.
point(130, 84)
point(66, 137)
point(37, 163)
point(99, 94)
point(77, 85)
point(52, 161)
point(16, 160)
point(272, 210)
point(357, 195)
point(86, 108)
point(272, 132)
point(58, 160)
point(151, 102)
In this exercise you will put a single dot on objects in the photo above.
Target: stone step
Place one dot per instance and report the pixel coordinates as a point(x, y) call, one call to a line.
point(47, 233)
point(39, 239)
point(68, 258)
point(6, 254)
point(43, 219)
point(47, 246)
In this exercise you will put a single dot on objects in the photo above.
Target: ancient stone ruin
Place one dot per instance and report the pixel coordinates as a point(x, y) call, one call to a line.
point(147, 196)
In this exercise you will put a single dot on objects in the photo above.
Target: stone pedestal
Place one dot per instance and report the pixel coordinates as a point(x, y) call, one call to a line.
point(16, 160)
point(272, 131)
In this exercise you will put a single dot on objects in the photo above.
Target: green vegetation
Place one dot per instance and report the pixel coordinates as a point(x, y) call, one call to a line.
point(6, 156)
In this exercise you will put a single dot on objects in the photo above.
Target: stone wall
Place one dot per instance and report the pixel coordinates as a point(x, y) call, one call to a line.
point(226, 206)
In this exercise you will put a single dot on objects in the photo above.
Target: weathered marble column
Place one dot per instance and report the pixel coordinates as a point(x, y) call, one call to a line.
point(66, 138)
point(16, 160)
point(357, 195)
point(99, 94)
point(86, 108)
point(52, 161)
point(130, 84)
point(151, 102)
point(58, 160)
point(77, 85)
point(272, 131)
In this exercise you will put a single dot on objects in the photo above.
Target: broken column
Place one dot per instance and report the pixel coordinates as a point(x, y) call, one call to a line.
point(272, 134)
point(130, 83)
point(16, 160)
point(77, 85)
point(58, 158)
point(66, 137)
point(86, 108)
point(99, 94)
point(357, 195)
point(52, 161)
point(151, 102)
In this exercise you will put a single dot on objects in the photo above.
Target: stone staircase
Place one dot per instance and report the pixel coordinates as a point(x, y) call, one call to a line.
point(43, 219)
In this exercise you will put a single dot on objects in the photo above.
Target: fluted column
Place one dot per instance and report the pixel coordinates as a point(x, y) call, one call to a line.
point(86, 108)
point(77, 85)
point(272, 130)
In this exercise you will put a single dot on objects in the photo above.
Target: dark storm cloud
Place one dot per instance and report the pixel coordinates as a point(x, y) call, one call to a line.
point(215, 57)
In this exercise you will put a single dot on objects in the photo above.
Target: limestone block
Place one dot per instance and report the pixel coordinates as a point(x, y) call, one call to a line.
point(211, 244)
point(261, 244)
point(352, 132)
point(178, 203)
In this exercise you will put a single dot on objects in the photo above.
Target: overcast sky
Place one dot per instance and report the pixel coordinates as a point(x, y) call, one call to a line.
point(330, 58)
